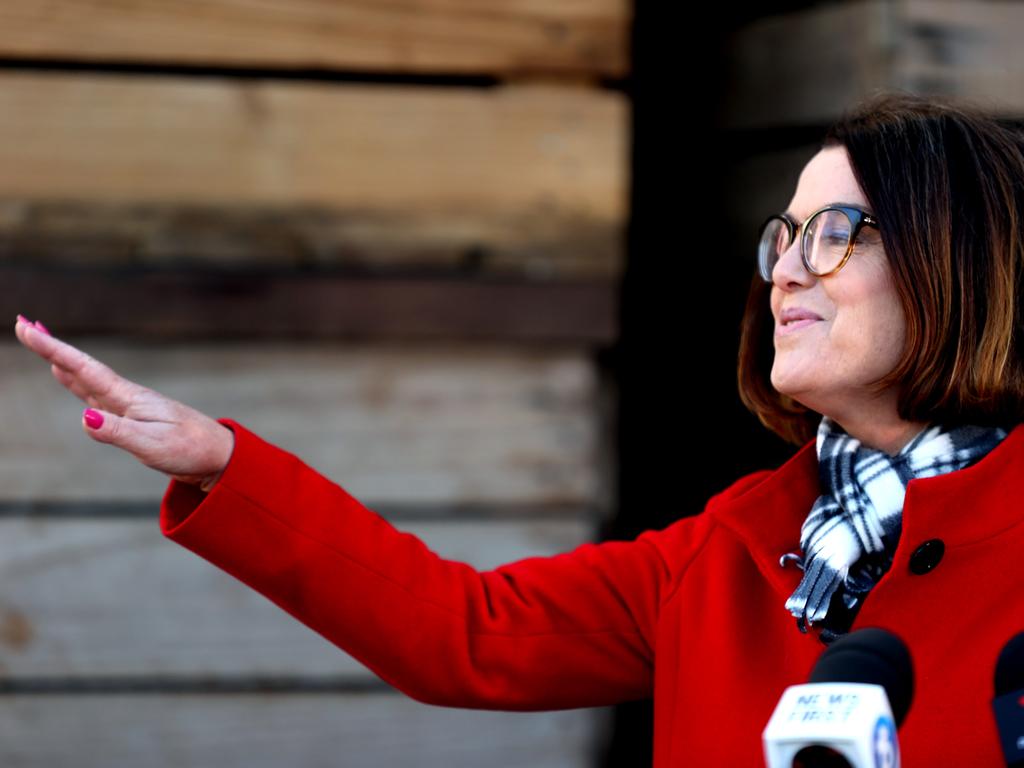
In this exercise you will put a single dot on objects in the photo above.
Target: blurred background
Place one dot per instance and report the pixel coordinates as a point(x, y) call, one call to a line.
point(482, 263)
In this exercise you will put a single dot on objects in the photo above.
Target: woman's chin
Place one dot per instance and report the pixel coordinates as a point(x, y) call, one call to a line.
point(795, 391)
point(788, 384)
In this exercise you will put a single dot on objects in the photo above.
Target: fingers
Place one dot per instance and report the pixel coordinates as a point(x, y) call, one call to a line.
point(85, 376)
point(68, 380)
point(58, 352)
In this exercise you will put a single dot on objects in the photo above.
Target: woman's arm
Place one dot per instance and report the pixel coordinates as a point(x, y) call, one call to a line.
point(572, 630)
point(577, 629)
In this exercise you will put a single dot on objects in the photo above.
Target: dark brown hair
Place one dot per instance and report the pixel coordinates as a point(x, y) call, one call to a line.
point(946, 180)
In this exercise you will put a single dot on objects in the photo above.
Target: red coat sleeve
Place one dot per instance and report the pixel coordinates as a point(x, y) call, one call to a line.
point(571, 630)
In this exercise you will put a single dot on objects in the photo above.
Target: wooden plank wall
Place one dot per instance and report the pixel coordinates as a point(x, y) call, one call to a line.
point(386, 237)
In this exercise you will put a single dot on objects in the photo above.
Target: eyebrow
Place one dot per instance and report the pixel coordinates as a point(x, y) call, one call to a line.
point(838, 202)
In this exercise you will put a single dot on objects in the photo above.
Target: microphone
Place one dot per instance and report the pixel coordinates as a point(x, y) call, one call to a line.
point(859, 693)
point(1008, 704)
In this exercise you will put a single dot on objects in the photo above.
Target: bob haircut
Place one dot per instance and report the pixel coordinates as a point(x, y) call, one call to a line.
point(945, 179)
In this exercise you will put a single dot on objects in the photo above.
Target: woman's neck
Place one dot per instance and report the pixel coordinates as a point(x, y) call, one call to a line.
point(874, 421)
point(888, 436)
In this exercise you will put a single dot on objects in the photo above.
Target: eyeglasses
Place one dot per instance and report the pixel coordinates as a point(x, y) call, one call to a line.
point(828, 237)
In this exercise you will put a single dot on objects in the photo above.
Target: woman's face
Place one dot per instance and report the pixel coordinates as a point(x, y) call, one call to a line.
point(826, 364)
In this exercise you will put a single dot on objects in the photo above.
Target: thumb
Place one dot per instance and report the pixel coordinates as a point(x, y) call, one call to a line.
point(102, 425)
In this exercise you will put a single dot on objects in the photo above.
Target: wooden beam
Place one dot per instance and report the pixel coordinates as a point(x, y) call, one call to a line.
point(180, 304)
point(195, 628)
point(537, 154)
point(257, 730)
point(435, 36)
point(519, 180)
point(533, 244)
point(466, 425)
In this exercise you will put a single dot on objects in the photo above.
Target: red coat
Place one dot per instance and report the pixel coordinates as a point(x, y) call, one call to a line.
point(691, 614)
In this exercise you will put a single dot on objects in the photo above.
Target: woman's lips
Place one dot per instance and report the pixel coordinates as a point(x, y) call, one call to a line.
point(796, 325)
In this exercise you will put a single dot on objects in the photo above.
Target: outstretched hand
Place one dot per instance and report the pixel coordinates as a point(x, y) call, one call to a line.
point(161, 433)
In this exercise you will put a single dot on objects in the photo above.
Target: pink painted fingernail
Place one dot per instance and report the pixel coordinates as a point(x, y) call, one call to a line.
point(42, 328)
point(24, 319)
point(93, 418)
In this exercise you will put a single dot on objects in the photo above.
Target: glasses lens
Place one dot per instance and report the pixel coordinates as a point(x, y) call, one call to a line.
point(774, 241)
point(826, 238)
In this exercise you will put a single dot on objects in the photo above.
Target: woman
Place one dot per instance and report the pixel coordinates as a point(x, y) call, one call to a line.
point(882, 336)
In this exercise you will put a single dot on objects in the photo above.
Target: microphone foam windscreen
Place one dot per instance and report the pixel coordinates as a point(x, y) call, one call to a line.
point(1010, 666)
point(870, 655)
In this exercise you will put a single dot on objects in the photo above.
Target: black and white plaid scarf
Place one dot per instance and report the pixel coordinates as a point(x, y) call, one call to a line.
point(851, 533)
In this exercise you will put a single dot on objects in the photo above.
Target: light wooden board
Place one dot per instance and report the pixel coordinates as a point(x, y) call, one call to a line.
point(422, 424)
point(527, 152)
point(436, 36)
point(88, 598)
point(270, 731)
point(161, 171)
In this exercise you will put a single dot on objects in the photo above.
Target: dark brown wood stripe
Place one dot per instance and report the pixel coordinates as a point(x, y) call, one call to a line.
point(174, 304)
point(542, 245)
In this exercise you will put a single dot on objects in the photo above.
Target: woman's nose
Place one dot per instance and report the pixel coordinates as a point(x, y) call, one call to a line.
point(789, 269)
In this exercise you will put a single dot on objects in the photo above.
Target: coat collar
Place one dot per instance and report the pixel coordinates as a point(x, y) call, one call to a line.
point(961, 507)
